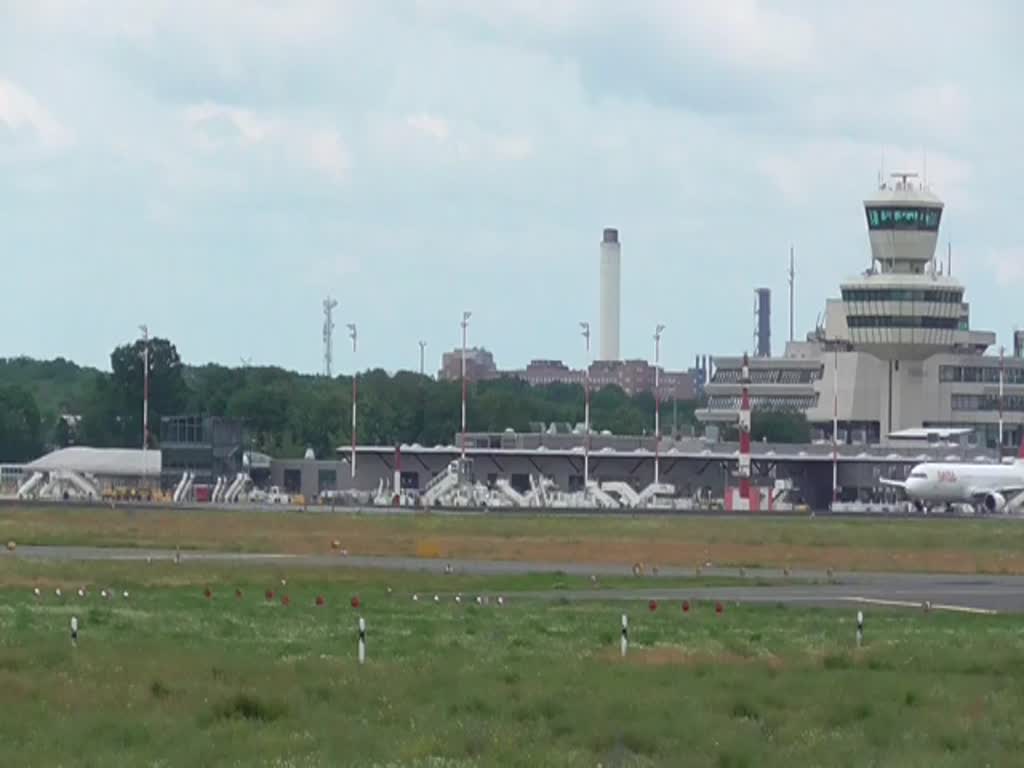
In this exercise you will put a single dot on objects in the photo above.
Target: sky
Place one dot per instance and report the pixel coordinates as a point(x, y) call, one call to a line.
point(216, 168)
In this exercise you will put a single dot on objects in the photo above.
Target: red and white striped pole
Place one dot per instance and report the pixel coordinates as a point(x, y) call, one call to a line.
point(744, 425)
point(355, 394)
point(465, 326)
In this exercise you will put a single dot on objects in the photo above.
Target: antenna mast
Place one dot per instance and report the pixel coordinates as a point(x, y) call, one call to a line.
point(329, 307)
point(792, 282)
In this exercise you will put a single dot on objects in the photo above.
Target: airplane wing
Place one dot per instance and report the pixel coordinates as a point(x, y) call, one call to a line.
point(893, 483)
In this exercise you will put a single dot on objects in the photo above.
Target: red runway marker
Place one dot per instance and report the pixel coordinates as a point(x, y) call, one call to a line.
point(686, 606)
point(653, 605)
point(718, 608)
point(355, 601)
point(286, 601)
point(319, 599)
point(269, 594)
point(207, 593)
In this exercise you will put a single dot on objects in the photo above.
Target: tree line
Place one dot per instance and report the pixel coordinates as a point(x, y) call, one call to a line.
point(286, 412)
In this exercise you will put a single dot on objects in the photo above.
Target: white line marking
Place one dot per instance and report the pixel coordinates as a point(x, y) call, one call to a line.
point(918, 604)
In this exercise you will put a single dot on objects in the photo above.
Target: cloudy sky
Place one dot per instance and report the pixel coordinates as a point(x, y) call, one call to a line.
point(214, 168)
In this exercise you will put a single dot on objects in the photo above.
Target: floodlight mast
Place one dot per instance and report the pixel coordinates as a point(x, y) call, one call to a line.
point(585, 328)
point(465, 326)
point(658, 330)
point(355, 393)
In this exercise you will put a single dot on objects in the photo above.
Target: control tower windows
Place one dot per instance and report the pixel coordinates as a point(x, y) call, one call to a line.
point(901, 218)
point(901, 321)
point(903, 294)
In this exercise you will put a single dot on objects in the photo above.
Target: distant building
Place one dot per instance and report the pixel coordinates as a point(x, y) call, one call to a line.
point(632, 376)
point(479, 365)
point(541, 372)
point(208, 446)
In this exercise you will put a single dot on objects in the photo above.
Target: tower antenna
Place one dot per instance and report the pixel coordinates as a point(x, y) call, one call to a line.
point(329, 307)
point(792, 284)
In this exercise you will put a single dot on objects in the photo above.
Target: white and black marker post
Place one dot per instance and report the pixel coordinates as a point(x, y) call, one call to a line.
point(860, 628)
point(74, 631)
point(362, 640)
point(625, 634)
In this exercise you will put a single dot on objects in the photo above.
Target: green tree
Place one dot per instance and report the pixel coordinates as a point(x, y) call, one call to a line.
point(168, 392)
point(20, 425)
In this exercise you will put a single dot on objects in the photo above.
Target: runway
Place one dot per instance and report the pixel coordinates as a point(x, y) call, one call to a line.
point(954, 592)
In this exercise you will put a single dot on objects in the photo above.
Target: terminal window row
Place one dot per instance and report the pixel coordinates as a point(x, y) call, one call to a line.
point(902, 321)
point(768, 375)
point(986, 374)
point(986, 402)
point(900, 217)
point(764, 402)
point(904, 294)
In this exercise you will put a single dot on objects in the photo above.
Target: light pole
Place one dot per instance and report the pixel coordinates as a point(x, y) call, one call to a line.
point(657, 397)
point(835, 426)
point(145, 387)
point(465, 326)
point(423, 346)
point(355, 393)
point(1002, 379)
point(585, 327)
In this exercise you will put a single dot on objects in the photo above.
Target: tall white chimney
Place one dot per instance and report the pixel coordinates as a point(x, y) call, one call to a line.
point(609, 315)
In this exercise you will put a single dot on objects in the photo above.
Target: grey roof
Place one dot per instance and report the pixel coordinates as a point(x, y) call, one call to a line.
point(116, 462)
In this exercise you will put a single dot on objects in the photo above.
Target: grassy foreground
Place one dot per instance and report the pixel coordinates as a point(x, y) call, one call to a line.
point(170, 677)
point(951, 545)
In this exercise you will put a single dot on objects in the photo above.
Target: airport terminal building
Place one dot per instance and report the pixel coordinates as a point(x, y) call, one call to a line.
point(896, 350)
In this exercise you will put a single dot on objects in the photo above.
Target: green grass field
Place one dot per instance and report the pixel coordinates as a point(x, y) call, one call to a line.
point(171, 678)
point(950, 546)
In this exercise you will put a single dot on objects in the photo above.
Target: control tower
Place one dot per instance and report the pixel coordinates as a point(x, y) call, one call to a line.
point(902, 308)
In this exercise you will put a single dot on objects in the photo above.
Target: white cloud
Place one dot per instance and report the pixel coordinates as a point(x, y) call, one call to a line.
point(328, 154)
point(742, 33)
point(512, 147)
point(217, 127)
point(208, 120)
point(814, 169)
point(1008, 265)
point(429, 125)
point(21, 113)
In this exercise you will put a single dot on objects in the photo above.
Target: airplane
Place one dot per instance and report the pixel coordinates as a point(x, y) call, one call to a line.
point(992, 486)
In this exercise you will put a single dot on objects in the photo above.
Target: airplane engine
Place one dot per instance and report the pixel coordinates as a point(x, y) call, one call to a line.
point(995, 502)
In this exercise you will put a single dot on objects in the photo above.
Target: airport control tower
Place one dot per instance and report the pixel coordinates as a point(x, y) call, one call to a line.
point(903, 308)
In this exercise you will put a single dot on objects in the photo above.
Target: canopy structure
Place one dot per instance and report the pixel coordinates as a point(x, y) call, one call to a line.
point(104, 462)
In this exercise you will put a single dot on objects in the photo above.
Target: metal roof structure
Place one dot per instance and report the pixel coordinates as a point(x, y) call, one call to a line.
point(108, 462)
point(697, 451)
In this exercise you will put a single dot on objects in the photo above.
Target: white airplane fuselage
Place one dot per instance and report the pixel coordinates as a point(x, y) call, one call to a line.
point(962, 483)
